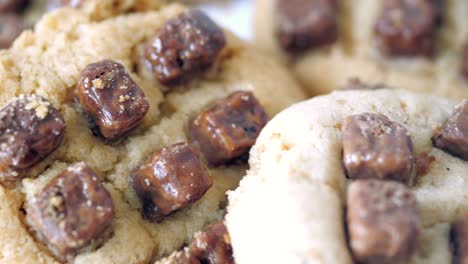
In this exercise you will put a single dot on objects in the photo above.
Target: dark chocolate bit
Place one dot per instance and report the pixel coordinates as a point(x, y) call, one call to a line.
point(383, 221)
point(459, 235)
point(306, 24)
point(111, 98)
point(228, 128)
point(30, 129)
point(423, 163)
point(12, 6)
point(213, 246)
point(54, 4)
point(375, 147)
point(171, 179)
point(453, 135)
point(72, 212)
point(408, 27)
point(11, 26)
point(184, 47)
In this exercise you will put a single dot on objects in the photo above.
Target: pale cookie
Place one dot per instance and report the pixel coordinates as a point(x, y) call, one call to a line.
point(90, 167)
point(416, 45)
point(290, 208)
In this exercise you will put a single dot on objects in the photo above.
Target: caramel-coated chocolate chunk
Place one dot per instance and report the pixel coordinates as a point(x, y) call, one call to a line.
point(376, 147)
point(383, 221)
point(111, 98)
point(11, 6)
point(30, 129)
point(408, 27)
point(73, 211)
point(171, 179)
point(459, 235)
point(228, 128)
point(184, 47)
point(453, 135)
point(213, 246)
point(11, 26)
point(306, 24)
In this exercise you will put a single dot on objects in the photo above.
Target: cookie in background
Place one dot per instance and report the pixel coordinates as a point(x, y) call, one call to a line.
point(418, 45)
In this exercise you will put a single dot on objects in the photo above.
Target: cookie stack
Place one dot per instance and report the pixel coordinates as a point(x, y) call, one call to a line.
point(125, 123)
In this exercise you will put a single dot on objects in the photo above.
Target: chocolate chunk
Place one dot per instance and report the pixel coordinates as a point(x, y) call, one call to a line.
point(408, 27)
point(375, 147)
point(465, 61)
point(423, 163)
point(54, 4)
point(306, 24)
point(459, 236)
point(228, 128)
point(171, 179)
point(73, 211)
point(30, 129)
point(184, 47)
point(111, 98)
point(383, 221)
point(8, 6)
point(11, 26)
point(213, 246)
point(453, 135)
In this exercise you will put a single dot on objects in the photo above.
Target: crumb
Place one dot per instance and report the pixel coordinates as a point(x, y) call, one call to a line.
point(98, 83)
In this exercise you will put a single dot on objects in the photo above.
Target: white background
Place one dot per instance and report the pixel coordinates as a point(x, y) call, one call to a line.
point(236, 15)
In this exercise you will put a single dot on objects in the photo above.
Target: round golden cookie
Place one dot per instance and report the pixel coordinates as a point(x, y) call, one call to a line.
point(48, 62)
point(322, 68)
point(290, 208)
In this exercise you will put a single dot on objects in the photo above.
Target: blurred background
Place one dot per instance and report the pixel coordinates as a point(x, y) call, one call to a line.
point(236, 15)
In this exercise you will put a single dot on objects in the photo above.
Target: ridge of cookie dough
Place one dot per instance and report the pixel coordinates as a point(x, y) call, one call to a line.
point(354, 54)
point(290, 205)
point(48, 61)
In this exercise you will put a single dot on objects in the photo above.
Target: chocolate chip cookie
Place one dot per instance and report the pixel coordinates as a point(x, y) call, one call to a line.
point(356, 176)
point(420, 45)
point(119, 136)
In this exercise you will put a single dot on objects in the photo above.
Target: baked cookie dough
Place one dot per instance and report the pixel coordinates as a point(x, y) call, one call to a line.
point(114, 116)
point(18, 15)
point(290, 208)
point(327, 42)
